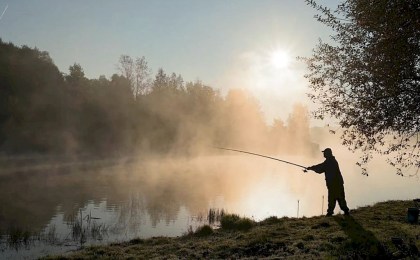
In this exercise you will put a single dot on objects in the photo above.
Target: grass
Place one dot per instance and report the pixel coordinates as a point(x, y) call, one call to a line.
point(18, 238)
point(234, 222)
point(82, 229)
point(203, 231)
point(86, 227)
point(380, 231)
point(215, 215)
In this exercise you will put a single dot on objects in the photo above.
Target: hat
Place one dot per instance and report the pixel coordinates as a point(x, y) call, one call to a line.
point(327, 151)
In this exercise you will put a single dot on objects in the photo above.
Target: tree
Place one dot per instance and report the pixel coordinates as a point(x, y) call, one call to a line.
point(137, 72)
point(76, 76)
point(298, 132)
point(368, 77)
point(30, 100)
point(142, 77)
point(243, 120)
point(161, 80)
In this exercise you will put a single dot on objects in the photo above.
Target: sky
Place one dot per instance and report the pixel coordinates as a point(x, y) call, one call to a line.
point(224, 43)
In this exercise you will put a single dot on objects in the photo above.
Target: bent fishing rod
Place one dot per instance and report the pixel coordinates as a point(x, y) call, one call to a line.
point(268, 157)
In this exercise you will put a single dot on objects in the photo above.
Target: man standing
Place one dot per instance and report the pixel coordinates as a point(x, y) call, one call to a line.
point(334, 180)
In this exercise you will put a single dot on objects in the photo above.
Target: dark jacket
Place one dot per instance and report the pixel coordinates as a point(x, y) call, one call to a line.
point(330, 166)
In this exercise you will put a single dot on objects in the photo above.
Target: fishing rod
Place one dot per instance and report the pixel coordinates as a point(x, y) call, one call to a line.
point(268, 157)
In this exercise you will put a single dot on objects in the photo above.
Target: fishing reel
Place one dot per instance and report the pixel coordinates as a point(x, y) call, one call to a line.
point(306, 169)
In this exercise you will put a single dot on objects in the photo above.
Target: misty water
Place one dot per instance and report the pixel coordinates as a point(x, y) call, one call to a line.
point(121, 199)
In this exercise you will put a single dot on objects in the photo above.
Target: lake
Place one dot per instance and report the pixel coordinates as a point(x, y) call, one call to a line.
point(55, 206)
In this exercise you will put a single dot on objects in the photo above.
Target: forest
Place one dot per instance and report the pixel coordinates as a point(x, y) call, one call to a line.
point(49, 112)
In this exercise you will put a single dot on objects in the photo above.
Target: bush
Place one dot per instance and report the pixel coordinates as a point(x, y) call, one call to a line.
point(234, 222)
point(272, 220)
point(203, 231)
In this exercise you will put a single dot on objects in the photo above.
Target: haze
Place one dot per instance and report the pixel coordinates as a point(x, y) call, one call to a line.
point(118, 107)
point(223, 44)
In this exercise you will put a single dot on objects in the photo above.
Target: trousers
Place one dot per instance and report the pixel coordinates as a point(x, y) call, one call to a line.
point(336, 193)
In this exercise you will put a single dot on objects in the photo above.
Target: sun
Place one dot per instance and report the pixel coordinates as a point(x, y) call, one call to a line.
point(280, 59)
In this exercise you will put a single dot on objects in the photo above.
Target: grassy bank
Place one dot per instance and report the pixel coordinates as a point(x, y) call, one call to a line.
point(380, 230)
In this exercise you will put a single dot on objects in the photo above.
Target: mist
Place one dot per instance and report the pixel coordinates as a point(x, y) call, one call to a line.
point(146, 162)
point(51, 113)
point(67, 140)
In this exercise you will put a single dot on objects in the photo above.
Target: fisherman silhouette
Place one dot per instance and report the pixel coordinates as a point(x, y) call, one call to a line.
point(334, 180)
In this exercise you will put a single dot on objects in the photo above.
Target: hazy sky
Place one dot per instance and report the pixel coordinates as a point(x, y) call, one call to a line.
point(224, 43)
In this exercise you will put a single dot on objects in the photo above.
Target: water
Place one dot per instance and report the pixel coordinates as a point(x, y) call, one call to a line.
point(68, 205)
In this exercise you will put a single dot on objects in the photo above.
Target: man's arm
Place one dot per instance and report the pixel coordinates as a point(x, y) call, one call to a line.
point(319, 168)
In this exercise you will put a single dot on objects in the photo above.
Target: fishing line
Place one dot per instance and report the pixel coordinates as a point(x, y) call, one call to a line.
point(268, 157)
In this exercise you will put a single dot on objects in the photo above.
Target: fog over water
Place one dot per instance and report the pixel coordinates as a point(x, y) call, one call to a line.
point(98, 145)
point(90, 161)
point(145, 197)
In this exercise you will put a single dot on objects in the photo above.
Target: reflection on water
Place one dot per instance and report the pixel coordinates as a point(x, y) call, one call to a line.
point(166, 197)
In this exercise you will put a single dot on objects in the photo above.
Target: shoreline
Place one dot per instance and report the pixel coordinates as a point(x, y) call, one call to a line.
point(380, 230)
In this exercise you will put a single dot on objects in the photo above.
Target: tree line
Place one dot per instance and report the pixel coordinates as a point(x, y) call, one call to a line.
point(43, 110)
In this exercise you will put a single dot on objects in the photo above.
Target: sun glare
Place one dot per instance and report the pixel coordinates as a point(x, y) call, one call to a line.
point(280, 59)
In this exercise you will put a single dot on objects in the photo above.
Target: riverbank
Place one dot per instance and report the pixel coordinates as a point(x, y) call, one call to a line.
point(380, 230)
